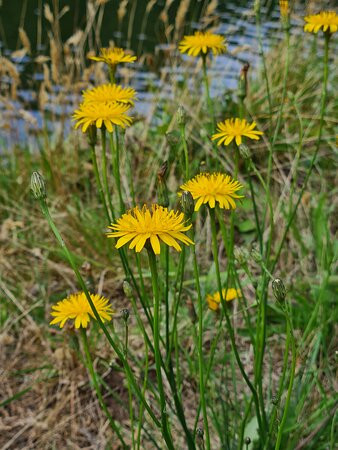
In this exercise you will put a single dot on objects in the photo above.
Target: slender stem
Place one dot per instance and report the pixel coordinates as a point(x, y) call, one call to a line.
point(94, 379)
point(185, 150)
point(166, 300)
point(313, 160)
point(114, 148)
point(104, 172)
point(130, 396)
point(228, 322)
point(202, 384)
point(292, 376)
point(98, 181)
point(83, 286)
point(140, 419)
point(164, 419)
point(207, 92)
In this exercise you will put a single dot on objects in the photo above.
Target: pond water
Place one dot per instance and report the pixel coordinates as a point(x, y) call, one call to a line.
point(236, 23)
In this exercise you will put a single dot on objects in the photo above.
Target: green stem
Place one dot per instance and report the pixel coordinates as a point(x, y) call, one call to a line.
point(292, 376)
point(313, 160)
point(166, 300)
point(83, 286)
point(202, 384)
point(98, 181)
point(164, 419)
point(104, 172)
point(207, 92)
point(228, 322)
point(140, 419)
point(186, 154)
point(115, 152)
point(130, 396)
point(94, 379)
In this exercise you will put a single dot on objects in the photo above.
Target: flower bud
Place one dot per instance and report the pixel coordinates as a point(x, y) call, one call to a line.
point(256, 254)
point(173, 138)
point(125, 314)
point(187, 204)
point(199, 432)
point(162, 190)
point(181, 116)
point(243, 82)
point(275, 400)
point(127, 289)
point(279, 290)
point(38, 186)
point(247, 441)
point(241, 255)
point(244, 151)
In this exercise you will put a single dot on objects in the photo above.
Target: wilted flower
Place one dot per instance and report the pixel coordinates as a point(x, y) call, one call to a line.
point(214, 300)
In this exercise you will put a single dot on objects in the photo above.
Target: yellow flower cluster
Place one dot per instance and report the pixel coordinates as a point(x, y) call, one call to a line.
point(106, 105)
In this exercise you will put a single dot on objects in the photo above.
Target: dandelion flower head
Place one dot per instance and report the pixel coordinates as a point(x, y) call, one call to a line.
point(235, 129)
point(113, 56)
point(201, 43)
point(98, 114)
point(327, 20)
point(137, 226)
point(110, 93)
point(76, 307)
point(212, 188)
point(214, 300)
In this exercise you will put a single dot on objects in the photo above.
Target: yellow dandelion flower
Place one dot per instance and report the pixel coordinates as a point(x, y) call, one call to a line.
point(113, 56)
point(201, 43)
point(76, 307)
point(214, 300)
point(328, 20)
point(139, 225)
point(212, 188)
point(110, 93)
point(284, 8)
point(98, 114)
point(234, 129)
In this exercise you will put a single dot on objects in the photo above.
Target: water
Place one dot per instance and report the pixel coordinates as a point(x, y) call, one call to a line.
point(236, 23)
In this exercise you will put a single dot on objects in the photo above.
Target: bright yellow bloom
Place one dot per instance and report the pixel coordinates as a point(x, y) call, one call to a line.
point(98, 114)
point(76, 307)
point(328, 20)
point(139, 225)
point(201, 42)
point(212, 188)
point(234, 129)
point(214, 300)
point(113, 56)
point(284, 8)
point(110, 93)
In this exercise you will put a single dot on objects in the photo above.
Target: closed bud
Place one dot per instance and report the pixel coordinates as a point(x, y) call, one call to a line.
point(256, 254)
point(247, 441)
point(275, 400)
point(241, 255)
point(187, 204)
point(181, 116)
point(243, 82)
point(38, 186)
point(162, 190)
point(173, 138)
point(244, 151)
point(127, 289)
point(199, 432)
point(279, 290)
point(162, 172)
point(125, 314)
point(203, 167)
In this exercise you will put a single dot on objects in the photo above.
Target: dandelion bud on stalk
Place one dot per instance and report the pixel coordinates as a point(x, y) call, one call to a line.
point(279, 290)
point(181, 116)
point(127, 289)
point(241, 255)
point(244, 151)
point(187, 204)
point(285, 13)
point(162, 190)
point(125, 314)
point(243, 82)
point(38, 186)
point(256, 255)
